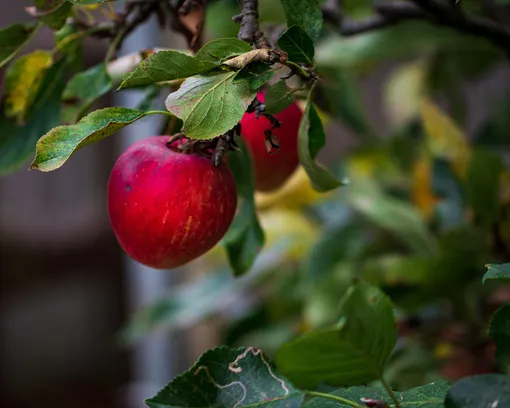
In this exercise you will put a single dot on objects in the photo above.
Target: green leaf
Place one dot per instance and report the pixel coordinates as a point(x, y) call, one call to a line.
point(57, 146)
point(245, 238)
point(217, 50)
point(499, 330)
point(311, 139)
point(210, 105)
point(494, 271)
point(226, 378)
point(13, 38)
point(22, 82)
point(490, 390)
point(17, 143)
point(255, 74)
point(351, 353)
point(392, 214)
point(164, 66)
point(482, 185)
point(304, 13)
point(278, 97)
point(298, 45)
point(53, 13)
point(428, 396)
point(84, 88)
point(344, 101)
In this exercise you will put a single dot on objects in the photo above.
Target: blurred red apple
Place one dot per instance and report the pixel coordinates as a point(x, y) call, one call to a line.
point(166, 207)
point(272, 170)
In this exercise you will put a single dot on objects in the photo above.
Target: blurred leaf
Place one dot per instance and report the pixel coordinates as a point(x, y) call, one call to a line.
point(17, 143)
point(84, 88)
point(228, 377)
point(150, 96)
point(444, 138)
point(13, 38)
point(490, 390)
point(427, 396)
point(22, 82)
point(352, 352)
point(341, 91)
point(423, 196)
point(217, 50)
point(183, 306)
point(448, 188)
point(53, 13)
point(499, 330)
point(407, 40)
point(69, 41)
point(278, 97)
point(311, 139)
point(393, 215)
point(57, 146)
point(482, 185)
point(404, 91)
point(271, 11)
point(245, 238)
point(357, 8)
point(304, 13)
point(255, 74)
point(298, 45)
point(494, 271)
point(164, 66)
point(494, 132)
point(337, 244)
point(87, 2)
point(210, 105)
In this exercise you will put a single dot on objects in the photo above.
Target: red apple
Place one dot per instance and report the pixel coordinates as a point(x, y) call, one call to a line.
point(167, 208)
point(272, 170)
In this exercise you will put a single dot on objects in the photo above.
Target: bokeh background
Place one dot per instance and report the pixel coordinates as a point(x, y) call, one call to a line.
point(67, 290)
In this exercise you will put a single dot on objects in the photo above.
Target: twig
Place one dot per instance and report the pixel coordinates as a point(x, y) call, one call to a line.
point(429, 10)
point(250, 30)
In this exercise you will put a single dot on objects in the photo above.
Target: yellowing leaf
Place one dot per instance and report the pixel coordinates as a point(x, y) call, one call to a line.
point(404, 92)
point(423, 196)
point(22, 82)
point(444, 138)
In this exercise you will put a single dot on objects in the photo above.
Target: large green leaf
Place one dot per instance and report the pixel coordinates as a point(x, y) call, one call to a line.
point(84, 88)
point(217, 50)
point(351, 353)
point(499, 330)
point(298, 45)
point(304, 13)
point(22, 82)
point(164, 66)
point(490, 390)
point(494, 271)
point(13, 38)
point(57, 146)
point(17, 142)
point(224, 378)
point(311, 139)
point(255, 75)
point(210, 105)
point(245, 238)
point(278, 97)
point(428, 396)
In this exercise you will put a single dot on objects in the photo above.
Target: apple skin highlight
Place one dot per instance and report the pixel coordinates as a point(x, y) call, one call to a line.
point(167, 208)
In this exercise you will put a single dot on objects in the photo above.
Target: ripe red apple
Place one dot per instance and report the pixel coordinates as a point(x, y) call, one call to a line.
point(167, 208)
point(271, 170)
